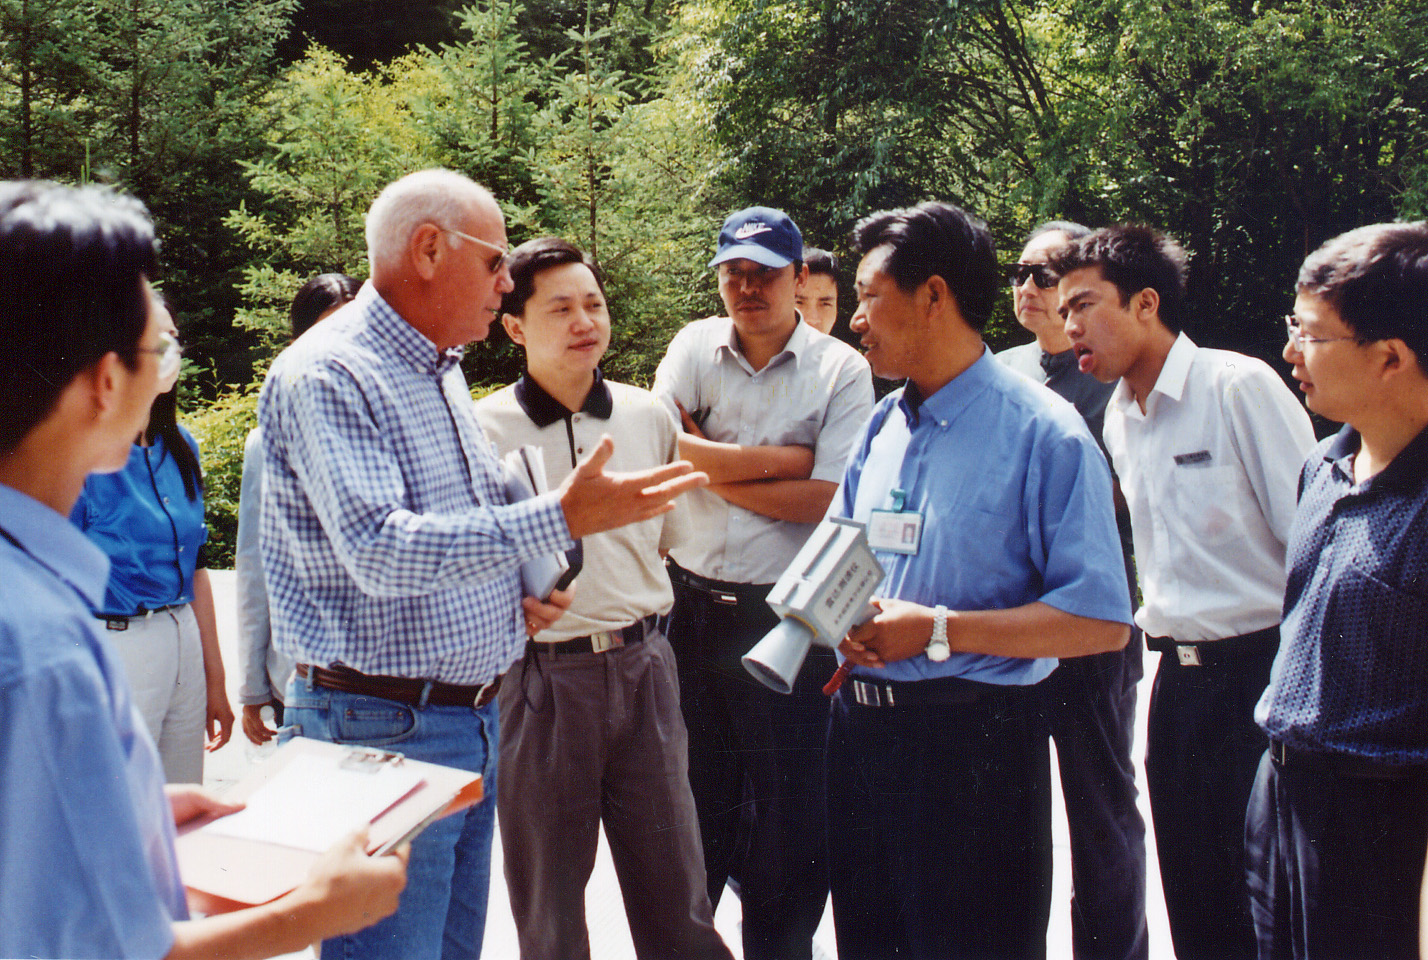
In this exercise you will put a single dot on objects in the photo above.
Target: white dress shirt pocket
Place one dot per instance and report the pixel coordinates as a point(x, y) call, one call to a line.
point(1208, 503)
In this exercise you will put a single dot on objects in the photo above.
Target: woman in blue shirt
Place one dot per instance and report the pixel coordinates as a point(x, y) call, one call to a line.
point(158, 605)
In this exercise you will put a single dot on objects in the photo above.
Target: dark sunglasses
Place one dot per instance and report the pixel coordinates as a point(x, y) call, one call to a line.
point(1040, 274)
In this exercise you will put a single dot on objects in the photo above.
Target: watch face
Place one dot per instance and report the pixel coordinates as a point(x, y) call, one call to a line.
point(937, 651)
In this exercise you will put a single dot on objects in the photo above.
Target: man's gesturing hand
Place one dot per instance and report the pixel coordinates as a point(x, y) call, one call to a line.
point(594, 500)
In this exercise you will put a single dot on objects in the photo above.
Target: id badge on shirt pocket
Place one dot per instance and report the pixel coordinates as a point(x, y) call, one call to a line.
point(896, 531)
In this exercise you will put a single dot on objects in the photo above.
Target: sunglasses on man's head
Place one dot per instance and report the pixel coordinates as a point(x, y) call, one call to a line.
point(1040, 274)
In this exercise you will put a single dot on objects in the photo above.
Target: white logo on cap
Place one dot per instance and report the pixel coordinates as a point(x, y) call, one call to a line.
point(751, 229)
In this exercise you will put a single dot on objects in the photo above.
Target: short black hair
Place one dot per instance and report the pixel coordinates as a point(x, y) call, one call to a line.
point(942, 239)
point(534, 256)
point(73, 261)
point(820, 261)
point(317, 296)
point(1133, 257)
point(1376, 277)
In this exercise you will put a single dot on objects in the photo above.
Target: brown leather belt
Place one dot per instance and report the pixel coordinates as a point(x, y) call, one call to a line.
point(406, 690)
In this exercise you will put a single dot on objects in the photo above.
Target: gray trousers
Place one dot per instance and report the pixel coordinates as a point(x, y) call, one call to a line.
point(591, 738)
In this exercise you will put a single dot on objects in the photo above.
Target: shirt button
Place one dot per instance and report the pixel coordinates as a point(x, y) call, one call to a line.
point(579, 450)
point(166, 499)
point(180, 549)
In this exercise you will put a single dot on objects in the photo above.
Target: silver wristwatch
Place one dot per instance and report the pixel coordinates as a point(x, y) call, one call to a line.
point(937, 649)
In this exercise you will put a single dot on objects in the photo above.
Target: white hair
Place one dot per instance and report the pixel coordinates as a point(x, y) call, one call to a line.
point(440, 197)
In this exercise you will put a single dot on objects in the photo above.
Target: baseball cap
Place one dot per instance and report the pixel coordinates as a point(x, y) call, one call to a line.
point(761, 234)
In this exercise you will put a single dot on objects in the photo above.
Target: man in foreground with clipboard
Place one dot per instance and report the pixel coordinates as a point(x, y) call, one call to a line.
point(87, 866)
point(389, 545)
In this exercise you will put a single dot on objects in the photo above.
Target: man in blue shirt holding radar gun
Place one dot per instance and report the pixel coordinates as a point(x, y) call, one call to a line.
point(939, 782)
point(87, 865)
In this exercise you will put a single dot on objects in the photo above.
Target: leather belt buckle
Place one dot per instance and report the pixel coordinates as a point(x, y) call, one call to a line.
point(606, 640)
point(1189, 654)
point(1277, 752)
point(116, 623)
point(728, 599)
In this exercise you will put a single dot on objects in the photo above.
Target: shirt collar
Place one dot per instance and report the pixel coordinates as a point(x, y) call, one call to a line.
point(405, 340)
point(56, 544)
point(1173, 375)
point(797, 341)
point(954, 397)
point(1054, 363)
point(1405, 473)
point(1176, 369)
point(543, 409)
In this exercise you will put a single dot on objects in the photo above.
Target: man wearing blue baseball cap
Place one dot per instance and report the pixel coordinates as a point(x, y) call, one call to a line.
point(771, 409)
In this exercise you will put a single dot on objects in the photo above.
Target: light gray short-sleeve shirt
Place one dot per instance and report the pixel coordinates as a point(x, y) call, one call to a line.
point(817, 392)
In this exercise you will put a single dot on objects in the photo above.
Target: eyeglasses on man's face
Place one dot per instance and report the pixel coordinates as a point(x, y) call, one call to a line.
point(495, 263)
point(1298, 337)
point(169, 350)
point(1039, 273)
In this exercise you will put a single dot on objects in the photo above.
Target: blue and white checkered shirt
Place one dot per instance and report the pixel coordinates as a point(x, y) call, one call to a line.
point(387, 542)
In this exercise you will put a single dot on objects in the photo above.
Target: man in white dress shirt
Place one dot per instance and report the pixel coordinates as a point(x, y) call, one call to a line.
point(1207, 445)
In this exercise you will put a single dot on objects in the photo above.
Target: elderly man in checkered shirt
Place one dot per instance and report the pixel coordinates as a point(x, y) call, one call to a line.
point(390, 552)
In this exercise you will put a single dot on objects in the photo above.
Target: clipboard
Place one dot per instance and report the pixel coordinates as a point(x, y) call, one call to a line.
point(227, 866)
point(523, 476)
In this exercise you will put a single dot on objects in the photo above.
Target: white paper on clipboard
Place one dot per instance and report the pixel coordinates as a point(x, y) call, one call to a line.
point(312, 805)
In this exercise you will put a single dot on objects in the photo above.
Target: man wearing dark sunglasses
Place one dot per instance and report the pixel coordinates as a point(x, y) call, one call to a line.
point(1089, 701)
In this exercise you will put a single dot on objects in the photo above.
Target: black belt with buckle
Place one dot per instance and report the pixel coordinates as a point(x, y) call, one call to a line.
point(1211, 652)
point(121, 622)
point(599, 642)
point(939, 691)
point(720, 591)
point(1340, 764)
point(408, 690)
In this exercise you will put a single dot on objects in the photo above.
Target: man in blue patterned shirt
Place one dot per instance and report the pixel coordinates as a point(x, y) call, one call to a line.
point(391, 555)
point(1336, 830)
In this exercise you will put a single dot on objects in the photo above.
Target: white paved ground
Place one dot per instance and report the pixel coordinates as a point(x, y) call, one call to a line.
point(609, 935)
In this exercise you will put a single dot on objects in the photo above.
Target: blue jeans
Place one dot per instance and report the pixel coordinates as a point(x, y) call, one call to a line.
point(442, 915)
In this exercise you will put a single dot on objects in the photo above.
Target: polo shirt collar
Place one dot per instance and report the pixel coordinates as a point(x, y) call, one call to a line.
point(1406, 473)
point(403, 339)
point(543, 409)
point(955, 396)
point(56, 544)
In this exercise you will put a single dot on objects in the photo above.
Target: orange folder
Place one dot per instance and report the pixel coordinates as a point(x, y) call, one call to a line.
point(226, 869)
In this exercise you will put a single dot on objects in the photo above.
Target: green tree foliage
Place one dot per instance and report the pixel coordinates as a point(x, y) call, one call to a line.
point(155, 96)
point(46, 54)
point(1255, 132)
point(334, 139)
point(221, 429)
point(1251, 130)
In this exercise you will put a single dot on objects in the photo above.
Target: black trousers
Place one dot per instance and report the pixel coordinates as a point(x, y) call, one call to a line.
point(939, 819)
point(1202, 752)
point(1335, 863)
point(1089, 704)
point(755, 768)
